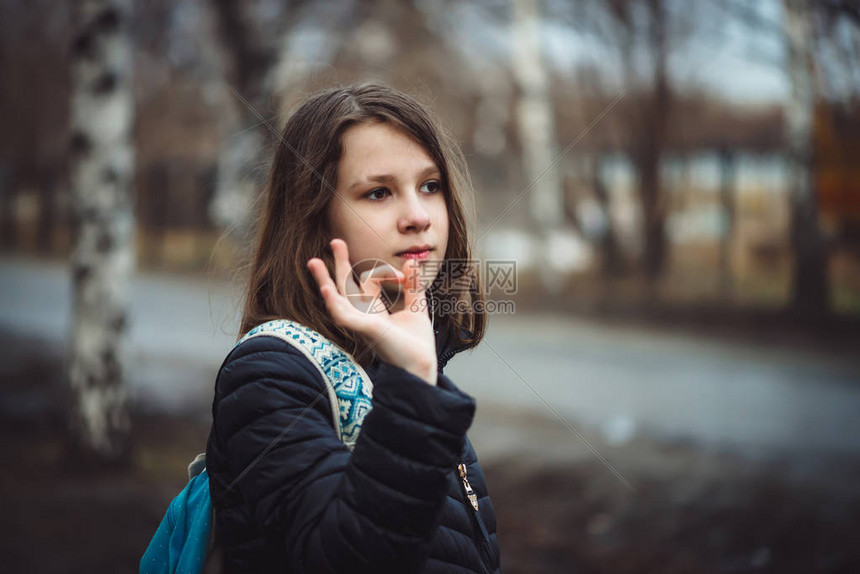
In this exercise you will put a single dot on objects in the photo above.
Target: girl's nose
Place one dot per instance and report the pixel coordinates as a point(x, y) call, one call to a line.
point(415, 216)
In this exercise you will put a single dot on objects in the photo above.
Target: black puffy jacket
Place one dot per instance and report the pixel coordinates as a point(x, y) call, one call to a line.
point(290, 497)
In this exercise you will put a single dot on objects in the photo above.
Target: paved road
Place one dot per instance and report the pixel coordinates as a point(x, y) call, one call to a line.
point(614, 382)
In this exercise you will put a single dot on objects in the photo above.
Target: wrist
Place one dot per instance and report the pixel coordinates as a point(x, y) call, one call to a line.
point(426, 372)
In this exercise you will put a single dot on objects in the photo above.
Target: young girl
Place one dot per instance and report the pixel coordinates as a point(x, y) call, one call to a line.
point(363, 180)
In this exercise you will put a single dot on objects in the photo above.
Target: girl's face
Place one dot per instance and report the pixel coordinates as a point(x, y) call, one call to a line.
point(390, 200)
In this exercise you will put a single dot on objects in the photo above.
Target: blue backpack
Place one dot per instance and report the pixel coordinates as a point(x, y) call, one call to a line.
point(186, 536)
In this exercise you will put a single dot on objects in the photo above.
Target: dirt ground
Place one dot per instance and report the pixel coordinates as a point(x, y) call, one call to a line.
point(689, 510)
point(715, 514)
point(724, 516)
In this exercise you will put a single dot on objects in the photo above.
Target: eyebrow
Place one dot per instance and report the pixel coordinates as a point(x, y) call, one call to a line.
point(388, 178)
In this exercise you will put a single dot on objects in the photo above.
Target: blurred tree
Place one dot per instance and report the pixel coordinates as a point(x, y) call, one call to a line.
point(612, 259)
point(535, 116)
point(836, 127)
point(102, 168)
point(395, 42)
point(642, 33)
point(648, 147)
point(34, 40)
point(728, 173)
point(810, 290)
point(249, 57)
point(253, 35)
point(822, 62)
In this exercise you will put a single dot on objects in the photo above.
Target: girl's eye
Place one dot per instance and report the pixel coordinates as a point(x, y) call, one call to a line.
point(372, 193)
point(431, 186)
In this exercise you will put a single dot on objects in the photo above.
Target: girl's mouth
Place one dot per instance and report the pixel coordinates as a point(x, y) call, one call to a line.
point(415, 254)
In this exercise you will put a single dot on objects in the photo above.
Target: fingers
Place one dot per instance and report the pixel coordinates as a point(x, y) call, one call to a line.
point(337, 292)
point(372, 279)
point(329, 290)
point(342, 266)
point(413, 294)
point(336, 304)
point(320, 273)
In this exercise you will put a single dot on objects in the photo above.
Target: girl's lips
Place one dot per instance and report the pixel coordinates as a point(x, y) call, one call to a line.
point(415, 254)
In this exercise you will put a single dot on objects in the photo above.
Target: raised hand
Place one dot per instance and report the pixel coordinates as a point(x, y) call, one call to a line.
point(403, 338)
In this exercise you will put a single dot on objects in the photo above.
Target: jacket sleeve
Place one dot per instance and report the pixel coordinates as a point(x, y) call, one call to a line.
point(375, 509)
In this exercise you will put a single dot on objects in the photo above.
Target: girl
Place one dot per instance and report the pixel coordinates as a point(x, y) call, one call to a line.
point(363, 179)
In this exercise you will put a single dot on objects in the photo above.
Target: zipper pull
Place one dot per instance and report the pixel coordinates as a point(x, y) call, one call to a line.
point(470, 494)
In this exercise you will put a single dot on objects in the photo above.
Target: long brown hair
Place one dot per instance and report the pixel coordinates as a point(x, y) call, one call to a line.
point(293, 228)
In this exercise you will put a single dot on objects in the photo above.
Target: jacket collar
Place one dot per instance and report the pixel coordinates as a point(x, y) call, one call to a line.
point(446, 344)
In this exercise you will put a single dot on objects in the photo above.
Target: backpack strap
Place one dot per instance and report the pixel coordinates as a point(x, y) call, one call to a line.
point(185, 539)
point(349, 387)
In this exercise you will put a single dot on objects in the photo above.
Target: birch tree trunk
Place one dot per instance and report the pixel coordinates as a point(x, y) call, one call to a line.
point(534, 113)
point(102, 170)
point(810, 285)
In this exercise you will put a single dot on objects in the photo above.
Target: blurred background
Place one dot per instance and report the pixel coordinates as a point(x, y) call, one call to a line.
point(677, 183)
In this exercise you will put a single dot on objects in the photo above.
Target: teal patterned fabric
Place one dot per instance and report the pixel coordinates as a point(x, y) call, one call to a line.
point(353, 387)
